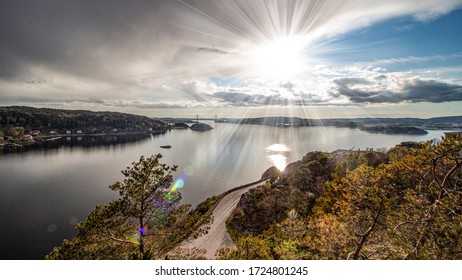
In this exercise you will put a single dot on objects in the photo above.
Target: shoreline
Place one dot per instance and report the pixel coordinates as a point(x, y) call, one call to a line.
point(99, 134)
point(22, 146)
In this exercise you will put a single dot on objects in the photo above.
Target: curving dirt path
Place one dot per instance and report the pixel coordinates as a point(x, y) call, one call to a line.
point(217, 236)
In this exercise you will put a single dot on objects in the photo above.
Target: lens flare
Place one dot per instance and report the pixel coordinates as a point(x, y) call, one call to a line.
point(168, 196)
point(189, 170)
point(179, 183)
point(134, 240)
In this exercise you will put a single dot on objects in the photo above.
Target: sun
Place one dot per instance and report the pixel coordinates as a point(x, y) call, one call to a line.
point(282, 58)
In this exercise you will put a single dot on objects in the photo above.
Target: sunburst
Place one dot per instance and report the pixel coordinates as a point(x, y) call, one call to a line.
point(281, 58)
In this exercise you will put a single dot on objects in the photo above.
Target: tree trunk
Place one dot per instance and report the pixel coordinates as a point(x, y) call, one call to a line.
point(141, 229)
point(365, 235)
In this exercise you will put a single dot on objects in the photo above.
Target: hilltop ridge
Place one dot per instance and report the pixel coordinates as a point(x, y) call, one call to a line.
point(87, 121)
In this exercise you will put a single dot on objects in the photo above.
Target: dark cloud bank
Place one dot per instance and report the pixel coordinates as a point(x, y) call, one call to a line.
point(411, 91)
point(84, 38)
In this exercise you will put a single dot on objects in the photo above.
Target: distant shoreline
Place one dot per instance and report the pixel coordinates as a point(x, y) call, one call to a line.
point(56, 140)
point(99, 134)
point(438, 123)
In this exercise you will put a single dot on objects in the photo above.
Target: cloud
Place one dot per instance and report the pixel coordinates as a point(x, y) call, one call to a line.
point(417, 90)
point(214, 50)
point(258, 20)
point(244, 99)
point(287, 85)
point(118, 39)
point(410, 90)
point(405, 27)
point(141, 104)
point(414, 59)
point(98, 39)
point(239, 99)
point(163, 53)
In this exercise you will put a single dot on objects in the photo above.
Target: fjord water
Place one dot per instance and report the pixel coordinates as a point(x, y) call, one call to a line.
point(45, 192)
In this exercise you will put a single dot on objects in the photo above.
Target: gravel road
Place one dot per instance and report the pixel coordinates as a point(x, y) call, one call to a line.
point(217, 236)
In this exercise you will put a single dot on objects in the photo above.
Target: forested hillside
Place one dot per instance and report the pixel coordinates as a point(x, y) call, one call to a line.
point(405, 204)
point(44, 118)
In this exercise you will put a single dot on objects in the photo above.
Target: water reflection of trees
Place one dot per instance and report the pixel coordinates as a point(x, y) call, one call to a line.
point(83, 142)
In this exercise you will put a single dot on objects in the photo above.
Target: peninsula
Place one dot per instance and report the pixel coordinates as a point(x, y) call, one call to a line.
point(20, 125)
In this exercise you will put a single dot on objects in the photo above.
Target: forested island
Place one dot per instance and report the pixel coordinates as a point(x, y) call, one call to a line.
point(393, 129)
point(404, 203)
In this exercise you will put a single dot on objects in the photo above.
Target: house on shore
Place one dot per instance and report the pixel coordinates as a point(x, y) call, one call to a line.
point(34, 132)
point(27, 138)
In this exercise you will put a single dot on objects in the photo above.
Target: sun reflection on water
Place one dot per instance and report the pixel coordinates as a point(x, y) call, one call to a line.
point(278, 148)
point(279, 161)
point(277, 155)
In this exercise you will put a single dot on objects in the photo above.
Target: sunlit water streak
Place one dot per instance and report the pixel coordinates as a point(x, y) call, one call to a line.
point(277, 154)
point(45, 192)
point(279, 161)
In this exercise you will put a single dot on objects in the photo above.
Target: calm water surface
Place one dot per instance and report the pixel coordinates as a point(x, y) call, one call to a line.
point(44, 193)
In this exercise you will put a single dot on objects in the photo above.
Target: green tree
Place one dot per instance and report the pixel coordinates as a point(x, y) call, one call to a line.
point(144, 193)
point(145, 222)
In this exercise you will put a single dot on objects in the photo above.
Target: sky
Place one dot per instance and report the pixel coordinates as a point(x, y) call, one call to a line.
point(234, 58)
